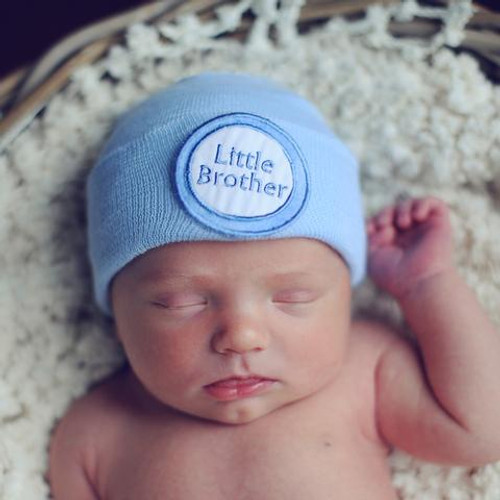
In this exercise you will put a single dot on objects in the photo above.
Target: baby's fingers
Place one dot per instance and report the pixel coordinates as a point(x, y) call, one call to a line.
point(404, 214)
point(383, 219)
point(425, 207)
point(381, 237)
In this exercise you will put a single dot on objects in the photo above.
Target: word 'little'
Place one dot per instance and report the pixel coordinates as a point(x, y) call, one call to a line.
point(247, 181)
point(242, 160)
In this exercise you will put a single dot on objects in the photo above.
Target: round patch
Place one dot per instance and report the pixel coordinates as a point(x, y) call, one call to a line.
point(240, 173)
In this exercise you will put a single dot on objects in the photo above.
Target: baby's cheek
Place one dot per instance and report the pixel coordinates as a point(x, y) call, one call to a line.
point(146, 352)
point(176, 358)
point(315, 362)
point(327, 360)
point(163, 373)
point(328, 349)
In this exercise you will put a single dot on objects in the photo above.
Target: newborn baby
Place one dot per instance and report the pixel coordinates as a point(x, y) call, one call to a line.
point(226, 232)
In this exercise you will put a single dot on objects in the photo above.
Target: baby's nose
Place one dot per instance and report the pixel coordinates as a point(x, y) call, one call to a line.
point(240, 333)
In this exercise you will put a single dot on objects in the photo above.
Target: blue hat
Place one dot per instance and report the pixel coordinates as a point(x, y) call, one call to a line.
point(222, 157)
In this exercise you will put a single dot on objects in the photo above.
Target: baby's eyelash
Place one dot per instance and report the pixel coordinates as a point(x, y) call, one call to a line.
point(298, 296)
point(178, 307)
point(179, 302)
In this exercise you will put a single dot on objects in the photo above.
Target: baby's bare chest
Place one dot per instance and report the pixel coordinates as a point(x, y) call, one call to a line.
point(275, 473)
point(293, 455)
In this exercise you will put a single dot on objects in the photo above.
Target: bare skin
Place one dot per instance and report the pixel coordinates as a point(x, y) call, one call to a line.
point(248, 380)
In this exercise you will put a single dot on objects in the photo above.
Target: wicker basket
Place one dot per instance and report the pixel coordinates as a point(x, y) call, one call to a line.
point(24, 93)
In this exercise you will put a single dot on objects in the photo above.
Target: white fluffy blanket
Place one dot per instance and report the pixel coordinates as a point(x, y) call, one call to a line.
point(419, 118)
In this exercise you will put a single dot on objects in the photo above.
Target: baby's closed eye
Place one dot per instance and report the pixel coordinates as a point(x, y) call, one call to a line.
point(180, 301)
point(295, 296)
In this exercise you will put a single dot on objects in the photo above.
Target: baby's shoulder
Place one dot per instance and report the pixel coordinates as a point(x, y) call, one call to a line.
point(374, 331)
point(91, 425)
point(103, 400)
point(370, 339)
point(88, 422)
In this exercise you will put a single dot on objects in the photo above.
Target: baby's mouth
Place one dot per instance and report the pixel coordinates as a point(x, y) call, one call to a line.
point(232, 388)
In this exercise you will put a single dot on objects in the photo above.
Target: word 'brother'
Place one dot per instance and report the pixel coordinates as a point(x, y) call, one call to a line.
point(251, 163)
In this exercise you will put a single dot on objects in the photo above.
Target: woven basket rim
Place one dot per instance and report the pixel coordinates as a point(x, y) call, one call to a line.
point(25, 91)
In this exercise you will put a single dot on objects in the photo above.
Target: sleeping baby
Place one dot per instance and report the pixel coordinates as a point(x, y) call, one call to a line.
point(226, 232)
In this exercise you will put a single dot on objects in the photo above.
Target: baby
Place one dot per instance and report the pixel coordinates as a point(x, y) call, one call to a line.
point(226, 232)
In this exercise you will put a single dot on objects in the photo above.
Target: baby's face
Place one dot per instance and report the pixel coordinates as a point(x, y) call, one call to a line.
point(232, 331)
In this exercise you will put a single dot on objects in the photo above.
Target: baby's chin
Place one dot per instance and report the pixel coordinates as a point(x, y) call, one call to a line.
point(240, 412)
point(244, 414)
point(246, 411)
point(236, 414)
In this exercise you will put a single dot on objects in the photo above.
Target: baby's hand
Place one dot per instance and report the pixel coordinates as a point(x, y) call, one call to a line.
point(408, 243)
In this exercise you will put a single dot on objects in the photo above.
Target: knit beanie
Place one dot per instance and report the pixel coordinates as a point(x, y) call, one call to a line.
point(221, 157)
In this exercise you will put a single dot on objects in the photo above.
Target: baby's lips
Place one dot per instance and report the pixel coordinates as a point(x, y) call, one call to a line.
point(238, 387)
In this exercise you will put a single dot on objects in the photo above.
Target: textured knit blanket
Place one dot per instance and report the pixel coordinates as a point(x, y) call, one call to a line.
point(421, 120)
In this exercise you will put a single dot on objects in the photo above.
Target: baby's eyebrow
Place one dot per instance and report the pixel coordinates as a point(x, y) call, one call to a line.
point(180, 280)
point(167, 279)
point(291, 275)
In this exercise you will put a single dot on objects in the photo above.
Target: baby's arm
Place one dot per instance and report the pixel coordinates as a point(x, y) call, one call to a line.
point(68, 474)
point(440, 402)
